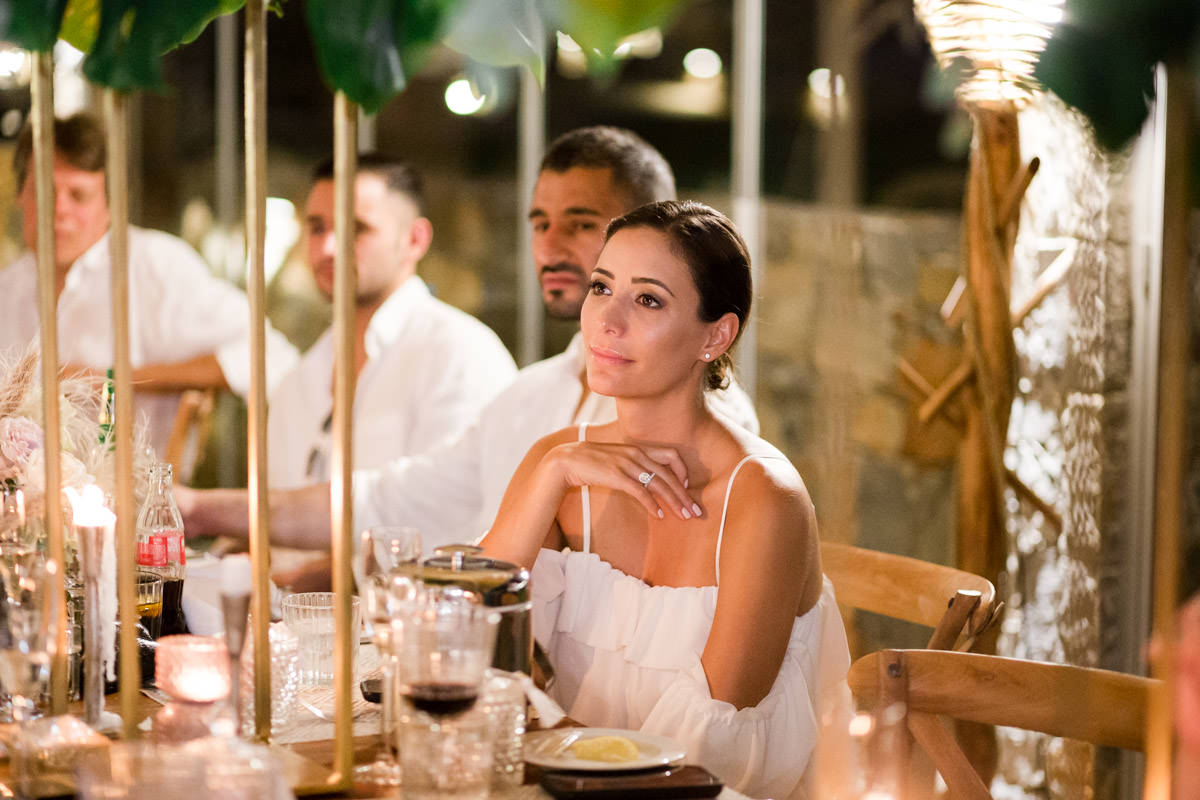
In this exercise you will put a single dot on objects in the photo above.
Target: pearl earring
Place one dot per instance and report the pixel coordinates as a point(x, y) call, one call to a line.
point(707, 356)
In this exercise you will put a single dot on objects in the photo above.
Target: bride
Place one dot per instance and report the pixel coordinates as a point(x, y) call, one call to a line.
point(676, 569)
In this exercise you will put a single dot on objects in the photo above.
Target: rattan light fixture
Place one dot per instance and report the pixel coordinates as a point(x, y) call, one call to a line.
point(1000, 41)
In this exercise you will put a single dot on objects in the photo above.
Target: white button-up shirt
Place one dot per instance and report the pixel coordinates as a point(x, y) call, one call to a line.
point(452, 493)
point(178, 310)
point(430, 369)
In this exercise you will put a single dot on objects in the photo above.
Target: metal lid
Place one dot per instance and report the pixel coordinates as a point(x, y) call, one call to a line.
point(498, 583)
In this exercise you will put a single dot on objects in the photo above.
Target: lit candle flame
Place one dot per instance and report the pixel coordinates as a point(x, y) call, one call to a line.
point(88, 508)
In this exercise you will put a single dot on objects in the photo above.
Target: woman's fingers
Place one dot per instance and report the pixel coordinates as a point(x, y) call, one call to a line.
point(676, 479)
point(633, 486)
point(666, 486)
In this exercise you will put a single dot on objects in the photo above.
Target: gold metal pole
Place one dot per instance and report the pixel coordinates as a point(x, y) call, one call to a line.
point(43, 168)
point(256, 209)
point(117, 113)
point(345, 162)
point(1172, 424)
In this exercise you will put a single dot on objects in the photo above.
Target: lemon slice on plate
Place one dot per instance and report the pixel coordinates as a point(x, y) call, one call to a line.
point(609, 749)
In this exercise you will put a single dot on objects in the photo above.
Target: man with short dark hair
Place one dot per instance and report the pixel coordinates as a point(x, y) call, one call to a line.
point(450, 493)
point(188, 328)
point(423, 368)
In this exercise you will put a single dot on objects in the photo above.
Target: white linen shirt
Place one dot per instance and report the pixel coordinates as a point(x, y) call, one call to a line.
point(178, 310)
point(430, 369)
point(452, 493)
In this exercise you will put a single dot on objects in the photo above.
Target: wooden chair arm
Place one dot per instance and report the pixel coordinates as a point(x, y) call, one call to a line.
point(1099, 706)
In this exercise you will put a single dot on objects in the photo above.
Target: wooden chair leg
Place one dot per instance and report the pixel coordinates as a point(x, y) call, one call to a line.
point(960, 777)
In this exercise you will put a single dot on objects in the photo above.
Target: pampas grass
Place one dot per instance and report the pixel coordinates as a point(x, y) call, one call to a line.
point(81, 399)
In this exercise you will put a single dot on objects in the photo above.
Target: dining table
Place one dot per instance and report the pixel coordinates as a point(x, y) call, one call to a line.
point(303, 744)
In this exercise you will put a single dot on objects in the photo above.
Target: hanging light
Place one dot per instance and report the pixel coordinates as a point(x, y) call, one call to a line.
point(1000, 40)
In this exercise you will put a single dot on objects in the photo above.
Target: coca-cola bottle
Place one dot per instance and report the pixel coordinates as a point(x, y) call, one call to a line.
point(160, 545)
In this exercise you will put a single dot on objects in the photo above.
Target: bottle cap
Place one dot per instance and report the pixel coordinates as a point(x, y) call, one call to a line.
point(237, 575)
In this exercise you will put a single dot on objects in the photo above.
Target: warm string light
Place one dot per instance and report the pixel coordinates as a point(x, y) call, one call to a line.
point(1000, 40)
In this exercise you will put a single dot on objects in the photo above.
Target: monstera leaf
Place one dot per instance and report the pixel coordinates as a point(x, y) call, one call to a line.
point(31, 24)
point(130, 36)
point(501, 33)
point(1101, 59)
point(367, 48)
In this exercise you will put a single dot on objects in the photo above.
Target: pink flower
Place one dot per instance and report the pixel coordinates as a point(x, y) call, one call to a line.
point(20, 437)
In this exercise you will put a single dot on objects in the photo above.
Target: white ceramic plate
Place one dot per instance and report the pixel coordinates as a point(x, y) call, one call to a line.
point(552, 750)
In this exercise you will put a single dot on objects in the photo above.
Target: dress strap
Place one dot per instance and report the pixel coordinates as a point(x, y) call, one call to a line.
point(725, 509)
point(585, 499)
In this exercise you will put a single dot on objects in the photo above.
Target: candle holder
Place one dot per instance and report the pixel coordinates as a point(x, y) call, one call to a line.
point(194, 672)
point(93, 524)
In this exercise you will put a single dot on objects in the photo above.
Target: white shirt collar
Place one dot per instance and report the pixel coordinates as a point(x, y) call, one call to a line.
point(575, 353)
point(92, 259)
point(390, 319)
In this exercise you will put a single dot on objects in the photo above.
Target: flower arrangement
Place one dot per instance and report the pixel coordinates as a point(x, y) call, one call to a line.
point(86, 454)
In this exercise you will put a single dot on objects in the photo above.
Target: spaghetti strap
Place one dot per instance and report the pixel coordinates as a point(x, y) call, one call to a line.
point(585, 501)
point(725, 511)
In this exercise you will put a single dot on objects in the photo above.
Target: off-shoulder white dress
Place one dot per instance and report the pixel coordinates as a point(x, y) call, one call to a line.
point(627, 655)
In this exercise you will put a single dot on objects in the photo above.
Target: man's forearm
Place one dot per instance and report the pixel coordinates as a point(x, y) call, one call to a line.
point(298, 517)
point(201, 372)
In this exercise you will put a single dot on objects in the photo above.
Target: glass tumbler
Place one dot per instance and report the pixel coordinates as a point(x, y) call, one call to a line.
point(309, 615)
point(441, 760)
point(503, 701)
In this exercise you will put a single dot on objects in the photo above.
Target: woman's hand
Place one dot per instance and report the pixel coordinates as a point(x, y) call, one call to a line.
point(624, 467)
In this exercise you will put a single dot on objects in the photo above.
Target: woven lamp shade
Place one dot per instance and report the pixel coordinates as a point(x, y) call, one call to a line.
point(999, 41)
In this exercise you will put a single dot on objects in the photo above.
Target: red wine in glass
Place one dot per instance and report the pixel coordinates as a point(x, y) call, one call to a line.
point(442, 699)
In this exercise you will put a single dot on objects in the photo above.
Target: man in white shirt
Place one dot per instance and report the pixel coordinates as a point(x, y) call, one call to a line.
point(424, 368)
point(450, 493)
point(188, 328)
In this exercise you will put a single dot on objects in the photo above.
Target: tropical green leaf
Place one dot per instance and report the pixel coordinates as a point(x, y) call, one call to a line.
point(356, 48)
point(126, 53)
point(80, 23)
point(201, 14)
point(420, 27)
point(501, 33)
point(598, 26)
point(1107, 76)
point(367, 48)
point(31, 24)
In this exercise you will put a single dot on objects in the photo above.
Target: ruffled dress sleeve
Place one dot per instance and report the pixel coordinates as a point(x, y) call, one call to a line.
point(768, 750)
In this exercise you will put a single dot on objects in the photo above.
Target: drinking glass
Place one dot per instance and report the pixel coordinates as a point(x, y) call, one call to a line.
point(29, 610)
point(309, 615)
point(443, 642)
point(381, 556)
point(12, 514)
point(150, 615)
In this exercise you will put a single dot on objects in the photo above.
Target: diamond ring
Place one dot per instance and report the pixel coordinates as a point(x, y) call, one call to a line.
point(645, 478)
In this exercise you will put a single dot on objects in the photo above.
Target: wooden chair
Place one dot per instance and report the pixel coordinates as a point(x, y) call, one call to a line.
point(1093, 705)
point(957, 605)
point(189, 431)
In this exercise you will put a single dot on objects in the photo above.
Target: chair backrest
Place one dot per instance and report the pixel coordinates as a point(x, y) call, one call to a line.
point(1092, 705)
point(189, 431)
point(911, 590)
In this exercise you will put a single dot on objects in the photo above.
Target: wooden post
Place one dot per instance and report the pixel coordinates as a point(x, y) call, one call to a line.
point(1172, 433)
point(42, 113)
point(256, 207)
point(345, 162)
point(116, 111)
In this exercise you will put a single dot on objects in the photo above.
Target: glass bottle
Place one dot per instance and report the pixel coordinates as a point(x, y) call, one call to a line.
point(160, 545)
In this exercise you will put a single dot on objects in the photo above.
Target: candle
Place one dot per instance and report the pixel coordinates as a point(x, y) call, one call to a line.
point(237, 575)
point(93, 524)
point(194, 669)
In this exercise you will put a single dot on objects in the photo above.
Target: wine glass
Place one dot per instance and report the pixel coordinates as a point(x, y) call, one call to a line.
point(382, 554)
point(444, 642)
point(29, 610)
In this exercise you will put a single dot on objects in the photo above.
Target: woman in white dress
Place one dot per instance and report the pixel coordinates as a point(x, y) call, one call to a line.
point(676, 569)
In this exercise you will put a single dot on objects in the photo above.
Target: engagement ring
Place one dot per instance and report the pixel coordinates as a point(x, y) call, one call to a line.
point(645, 478)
